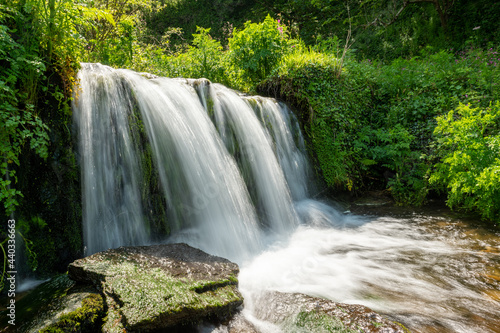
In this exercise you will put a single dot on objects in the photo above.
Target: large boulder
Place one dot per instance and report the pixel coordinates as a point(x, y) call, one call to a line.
point(153, 287)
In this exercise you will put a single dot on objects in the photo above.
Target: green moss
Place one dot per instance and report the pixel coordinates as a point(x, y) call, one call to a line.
point(403, 327)
point(315, 322)
point(41, 299)
point(145, 296)
point(152, 199)
point(87, 318)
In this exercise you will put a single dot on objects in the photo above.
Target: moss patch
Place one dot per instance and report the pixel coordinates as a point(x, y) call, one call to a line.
point(87, 318)
point(306, 322)
point(60, 305)
point(151, 298)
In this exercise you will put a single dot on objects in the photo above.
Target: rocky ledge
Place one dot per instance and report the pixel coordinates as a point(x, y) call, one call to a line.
point(147, 288)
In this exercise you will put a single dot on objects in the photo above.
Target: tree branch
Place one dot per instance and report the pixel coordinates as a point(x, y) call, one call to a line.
point(442, 10)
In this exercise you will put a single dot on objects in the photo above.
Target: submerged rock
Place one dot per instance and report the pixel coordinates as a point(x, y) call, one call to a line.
point(152, 287)
point(302, 313)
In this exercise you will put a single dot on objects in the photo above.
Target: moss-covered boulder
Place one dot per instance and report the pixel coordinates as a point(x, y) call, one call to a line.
point(302, 313)
point(153, 287)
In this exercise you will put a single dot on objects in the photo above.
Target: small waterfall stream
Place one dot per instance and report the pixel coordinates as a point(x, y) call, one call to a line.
point(225, 182)
point(187, 160)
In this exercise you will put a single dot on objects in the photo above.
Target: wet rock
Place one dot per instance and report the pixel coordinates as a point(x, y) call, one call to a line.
point(153, 287)
point(236, 324)
point(239, 324)
point(301, 313)
point(374, 199)
point(60, 305)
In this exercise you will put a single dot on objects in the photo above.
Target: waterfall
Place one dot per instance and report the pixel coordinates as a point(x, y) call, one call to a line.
point(228, 167)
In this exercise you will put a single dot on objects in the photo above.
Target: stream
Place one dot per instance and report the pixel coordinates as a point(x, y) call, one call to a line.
point(428, 269)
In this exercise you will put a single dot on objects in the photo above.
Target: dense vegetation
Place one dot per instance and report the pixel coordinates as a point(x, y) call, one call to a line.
point(393, 95)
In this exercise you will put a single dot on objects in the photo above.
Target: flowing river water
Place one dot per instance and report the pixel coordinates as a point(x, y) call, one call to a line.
point(429, 269)
point(235, 182)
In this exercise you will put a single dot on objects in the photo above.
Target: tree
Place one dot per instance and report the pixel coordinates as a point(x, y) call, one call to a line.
point(395, 8)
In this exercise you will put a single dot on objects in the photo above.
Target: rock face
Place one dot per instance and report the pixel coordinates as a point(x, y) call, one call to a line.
point(152, 287)
point(302, 313)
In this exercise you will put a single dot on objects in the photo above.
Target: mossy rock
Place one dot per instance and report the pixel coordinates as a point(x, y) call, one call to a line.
point(60, 305)
point(87, 318)
point(148, 288)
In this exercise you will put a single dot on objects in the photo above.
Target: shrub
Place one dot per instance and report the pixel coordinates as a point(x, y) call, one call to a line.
point(258, 48)
point(468, 142)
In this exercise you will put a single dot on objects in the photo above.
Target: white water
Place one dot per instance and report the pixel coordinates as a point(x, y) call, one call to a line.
point(111, 212)
point(235, 180)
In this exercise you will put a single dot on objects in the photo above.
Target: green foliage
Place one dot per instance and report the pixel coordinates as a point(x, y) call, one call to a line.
point(207, 55)
point(111, 31)
point(424, 87)
point(372, 126)
point(20, 73)
point(219, 15)
point(468, 143)
point(258, 48)
point(405, 168)
point(203, 59)
point(253, 54)
point(303, 56)
point(39, 50)
point(331, 109)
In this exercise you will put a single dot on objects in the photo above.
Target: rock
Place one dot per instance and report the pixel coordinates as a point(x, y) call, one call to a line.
point(374, 199)
point(153, 287)
point(302, 313)
point(239, 324)
point(60, 305)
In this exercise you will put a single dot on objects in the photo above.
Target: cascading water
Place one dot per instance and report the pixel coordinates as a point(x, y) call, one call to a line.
point(233, 180)
point(210, 202)
point(111, 212)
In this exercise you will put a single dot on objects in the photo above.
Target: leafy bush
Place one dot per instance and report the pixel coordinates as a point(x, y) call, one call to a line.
point(468, 142)
point(258, 48)
point(390, 149)
point(204, 58)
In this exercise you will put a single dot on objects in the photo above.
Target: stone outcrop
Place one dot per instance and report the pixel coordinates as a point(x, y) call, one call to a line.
point(152, 287)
